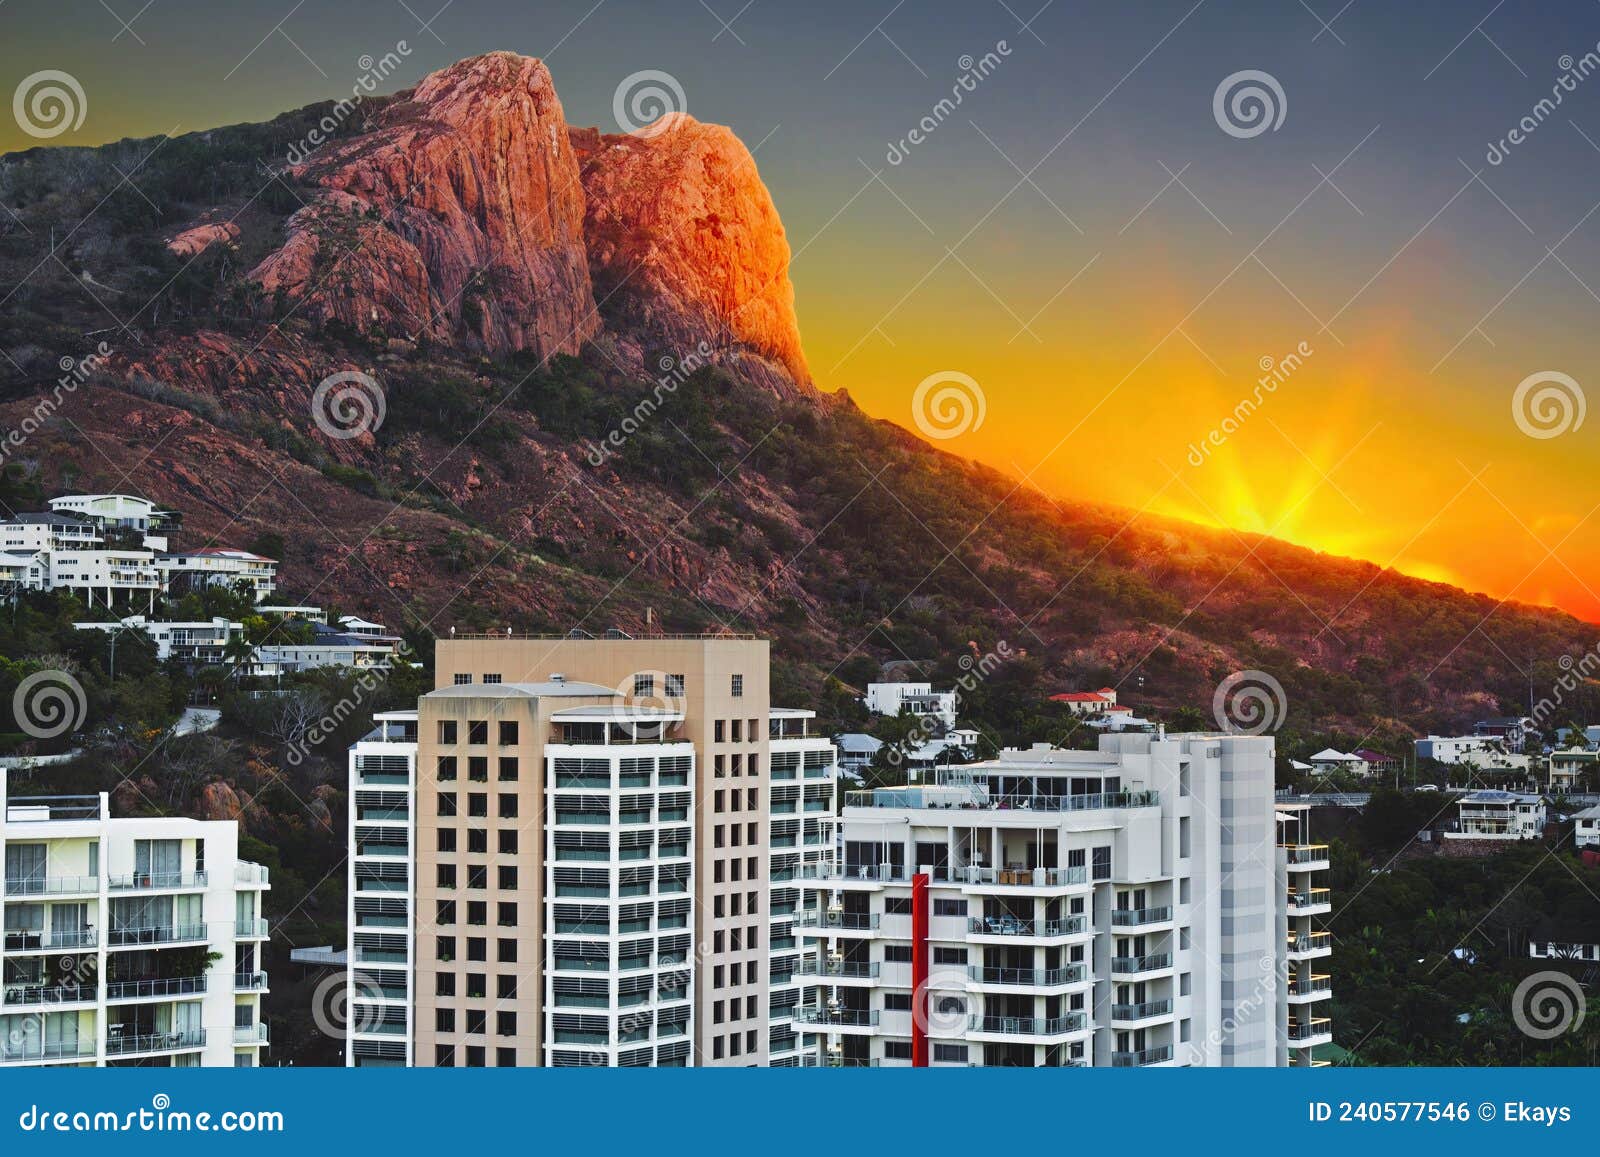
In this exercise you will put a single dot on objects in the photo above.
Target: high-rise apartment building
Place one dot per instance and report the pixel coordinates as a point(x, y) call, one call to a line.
point(598, 860)
point(127, 941)
point(1145, 904)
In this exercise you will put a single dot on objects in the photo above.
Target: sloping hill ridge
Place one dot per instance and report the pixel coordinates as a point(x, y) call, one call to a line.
point(519, 290)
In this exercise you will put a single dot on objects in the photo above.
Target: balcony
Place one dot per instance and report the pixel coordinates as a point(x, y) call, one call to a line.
point(34, 994)
point(54, 886)
point(1010, 927)
point(250, 929)
point(840, 969)
point(1309, 1033)
point(1137, 965)
point(1310, 945)
point(829, 923)
point(38, 1052)
point(1310, 901)
point(258, 875)
point(155, 989)
point(1306, 857)
point(1027, 1026)
point(1159, 1055)
point(119, 1044)
point(47, 940)
point(984, 879)
point(249, 982)
point(868, 874)
point(1140, 917)
point(1315, 987)
point(251, 1034)
point(170, 934)
point(1147, 1010)
point(846, 1019)
point(160, 882)
point(1029, 977)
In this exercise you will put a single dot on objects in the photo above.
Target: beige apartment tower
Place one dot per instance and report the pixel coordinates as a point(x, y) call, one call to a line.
point(590, 853)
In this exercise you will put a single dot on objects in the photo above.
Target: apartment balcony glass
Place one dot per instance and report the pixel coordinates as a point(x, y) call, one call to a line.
point(1313, 1031)
point(1310, 987)
point(1028, 1025)
point(1132, 965)
point(161, 934)
point(842, 969)
point(33, 1050)
point(148, 989)
point(1136, 917)
point(50, 940)
point(250, 929)
point(26, 994)
point(251, 1034)
point(158, 881)
point(121, 1044)
point(1144, 1010)
point(52, 885)
point(1307, 898)
point(1309, 943)
point(1012, 926)
point(839, 921)
point(1158, 1055)
point(975, 876)
point(1029, 977)
point(1303, 855)
point(836, 1017)
point(258, 875)
point(865, 873)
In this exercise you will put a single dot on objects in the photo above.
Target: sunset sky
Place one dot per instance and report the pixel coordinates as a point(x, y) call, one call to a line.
point(1080, 237)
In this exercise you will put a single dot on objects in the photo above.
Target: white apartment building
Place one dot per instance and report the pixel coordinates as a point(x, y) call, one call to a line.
point(1498, 815)
point(218, 566)
point(918, 698)
point(383, 773)
point(127, 942)
point(1586, 828)
point(803, 769)
point(204, 641)
point(1141, 905)
point(125, 511)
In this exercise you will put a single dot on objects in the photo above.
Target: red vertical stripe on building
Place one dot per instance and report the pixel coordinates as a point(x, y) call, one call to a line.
point(919, 971)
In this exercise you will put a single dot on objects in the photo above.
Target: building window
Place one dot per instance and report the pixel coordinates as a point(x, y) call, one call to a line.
point(445, 875)
point(478, 805)
point(950, 1054)
point(950, 955)
point(477, 912)
point(897, 1050)
point(447, 839)
point(477, 1022)
point(461, 679)
point(507, 877)
point(507, 950)
point(737, 686)
point(505, 1024)
point(491, 678)
point(444, 984)
point(717, 731)
point(508, 806)
point(508, 841)
point(477, 986)
point(505, 987)
point(1102, 863)
point(950, 908)
point(506, 914)
point(897, 953)
point(508, 768)
point(508, 733)
point(477, 731)
point(445, 912)
point(675, 686)
point(447, 731)
point(736, 730)
point(444, 1020)
point(446, 767)
point(478, 768)
point(478, 841)
point(447, 803)
point(644, 685)
point(444, 1056)
point(444, 948)
point(505, 1058)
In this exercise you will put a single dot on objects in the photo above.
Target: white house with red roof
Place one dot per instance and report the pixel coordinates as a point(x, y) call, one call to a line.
point(1101, 702)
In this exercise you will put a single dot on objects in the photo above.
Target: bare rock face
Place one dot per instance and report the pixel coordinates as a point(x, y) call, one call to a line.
point(685, 244)
point(459, 218)
point(198, 238)
point(218, 801)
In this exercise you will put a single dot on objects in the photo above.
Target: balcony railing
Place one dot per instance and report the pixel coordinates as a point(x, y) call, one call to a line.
point(1030, 977)
point(1018, 877)
point(1307, 853)
point(852, 1017)
point(1311, 942)
point(15, 994)
point(51, 885)
point(245, 872)
point(249, 981)
point(250, 929)
point(151, 881)
point(844, 921)
point(137, 989)
point(1153, 962)
point(942, 797)
point(172, 933)
point(1132, 1060)
point(251, 1034)
point(1011, 926)
point(882, 873)
point(118, 1044)
point(50, 940)
point(1310, 897)
point(1134, 917)
point(852, 969)
point(1028, 1025)
point(1306, 986)
point(36, 1050)
point(1306, 1030)
point(1142, 1011)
